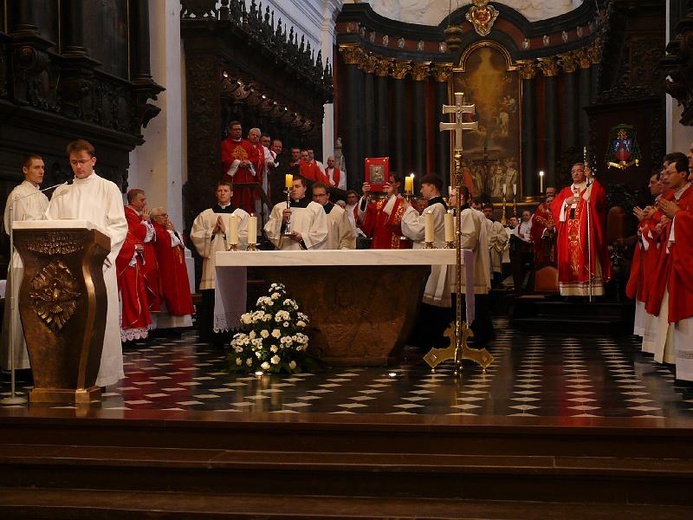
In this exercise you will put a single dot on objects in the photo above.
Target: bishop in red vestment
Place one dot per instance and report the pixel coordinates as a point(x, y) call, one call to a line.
point(583, 257)
point(381, 220)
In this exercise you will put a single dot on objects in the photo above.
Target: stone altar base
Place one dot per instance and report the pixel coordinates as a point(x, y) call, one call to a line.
point(358, 316)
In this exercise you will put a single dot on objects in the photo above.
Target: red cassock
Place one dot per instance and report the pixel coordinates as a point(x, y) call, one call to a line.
point(680, 283)
point(135, 315)
point(385, 230)
point(575, 259)
point(336, 176)
point(150, 269)
point(658, 266)
point(644, 264)
point(243, 150)
point(176, 290)
point(312, 172)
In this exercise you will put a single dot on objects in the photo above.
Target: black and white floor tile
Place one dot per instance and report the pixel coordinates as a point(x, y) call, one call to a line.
point(533, 375)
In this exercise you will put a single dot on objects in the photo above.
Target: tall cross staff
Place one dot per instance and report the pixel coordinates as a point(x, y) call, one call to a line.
point(459, 331)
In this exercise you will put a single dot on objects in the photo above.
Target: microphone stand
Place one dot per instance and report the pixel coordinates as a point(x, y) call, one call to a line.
point(14, 399)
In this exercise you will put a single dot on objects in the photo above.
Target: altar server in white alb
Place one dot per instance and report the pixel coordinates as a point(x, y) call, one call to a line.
point(99, 201)
point(25, 202)
point(340, 232)
point(302, 225)
point(216, 229)
point(429, 226)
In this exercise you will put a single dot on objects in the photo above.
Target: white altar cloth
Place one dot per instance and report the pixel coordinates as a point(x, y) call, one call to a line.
point(231, 267)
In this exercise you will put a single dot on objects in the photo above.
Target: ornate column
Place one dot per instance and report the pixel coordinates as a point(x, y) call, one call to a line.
point(382, 137)
point(420, 75)
point(528, 72)
point(353, 118)
point(399, 71)
point(72, 34)
point(585, 98)
point(571, 114)
point(595, 57)
point(549, 66)
point(441, 74)
point(368, 65)
point(140, 69)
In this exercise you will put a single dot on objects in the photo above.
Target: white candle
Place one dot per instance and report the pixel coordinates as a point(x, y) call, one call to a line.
point(428, 231)
point(449, 190)
point(449, 227)
point(233, 230)
point(514, 189)
point(504, 186)
point(409, 184)
point(541, 181)
point(252, 229)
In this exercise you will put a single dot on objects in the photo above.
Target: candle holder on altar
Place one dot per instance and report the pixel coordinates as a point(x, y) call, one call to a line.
point(504, 221)
point(252, 246)
point(233, 247)
point(450, 245)
point(429, 245)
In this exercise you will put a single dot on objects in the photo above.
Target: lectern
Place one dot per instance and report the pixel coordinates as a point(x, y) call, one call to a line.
point(62, 304)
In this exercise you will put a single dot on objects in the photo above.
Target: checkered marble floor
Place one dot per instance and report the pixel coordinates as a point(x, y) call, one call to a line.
point(533, 375)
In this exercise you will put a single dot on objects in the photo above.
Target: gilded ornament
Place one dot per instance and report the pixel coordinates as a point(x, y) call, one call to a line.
point(58, 244)
point(528, 69)
point(482, 16)
point(400, 69)
point(382, 67)
point(351, 54)
point(420, 70)
point(568, 62)
point(549, 66)
point(442, 72)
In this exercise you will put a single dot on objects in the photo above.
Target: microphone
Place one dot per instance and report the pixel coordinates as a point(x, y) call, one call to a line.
point(42, 190)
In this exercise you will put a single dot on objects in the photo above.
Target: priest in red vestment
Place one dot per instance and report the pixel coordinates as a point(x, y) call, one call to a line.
point(583, 257)
point(135, 319)
point(243, 161)
point(170, 252)
point(137, 215)
point(381, 220)
point(542, 230)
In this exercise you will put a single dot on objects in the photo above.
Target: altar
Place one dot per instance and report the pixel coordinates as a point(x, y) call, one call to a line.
point(362, 304)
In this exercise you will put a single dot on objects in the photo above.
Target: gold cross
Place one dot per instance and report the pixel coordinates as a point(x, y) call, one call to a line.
point(459, 109)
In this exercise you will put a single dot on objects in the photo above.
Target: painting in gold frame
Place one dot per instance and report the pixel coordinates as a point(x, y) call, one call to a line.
point(492, 153)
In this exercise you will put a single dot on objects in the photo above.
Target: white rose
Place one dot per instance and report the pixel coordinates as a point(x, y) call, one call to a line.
point(239, 361)
point(300, 323)
point(292, 365)
point(265, 366)
point(245, 319)
point(276, 333)
point(264, 333)
point(252, 334)
point(274, 349)
point(249, 362)
point(275, 360)
point(275, 296)
point(238, 349)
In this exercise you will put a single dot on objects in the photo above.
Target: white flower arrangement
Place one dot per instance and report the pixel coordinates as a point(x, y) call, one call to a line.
point(274, 338)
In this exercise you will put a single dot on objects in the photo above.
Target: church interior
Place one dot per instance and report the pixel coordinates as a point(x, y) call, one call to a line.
point(571, 419)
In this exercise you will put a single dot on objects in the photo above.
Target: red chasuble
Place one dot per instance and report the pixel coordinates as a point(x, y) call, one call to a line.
point(575, 259)
point(384, 229)
point(644, 264)
point(544, 249)
point(176, 290)
point(243, 150)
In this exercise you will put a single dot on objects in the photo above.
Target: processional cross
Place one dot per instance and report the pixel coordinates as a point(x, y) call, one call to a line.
point(459, 331)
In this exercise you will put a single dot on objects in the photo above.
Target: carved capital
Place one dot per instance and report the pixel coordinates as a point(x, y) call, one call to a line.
point(595, 51)
point(549, 66)
point(568, 62)
point(442, 72)
point(583, 57)
point(528, 69)
point(400, 69)
point(382, 67)
point(368, 63)
point(351, 54)
point(420, 70)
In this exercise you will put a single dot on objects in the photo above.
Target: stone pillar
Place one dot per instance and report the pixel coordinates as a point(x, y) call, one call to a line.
point(571, 110)
point(382, 137)
point(419, 73)
point(353, 120)
point(441, 74)
point(23, 21)
point(528, 72)
point(399, 71)
point(549, 67)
